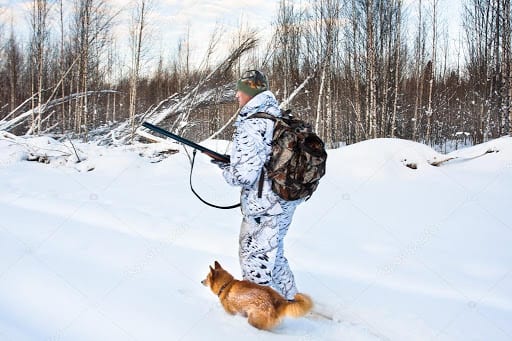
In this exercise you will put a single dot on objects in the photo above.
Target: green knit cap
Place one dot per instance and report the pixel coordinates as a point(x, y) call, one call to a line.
point(252, 83)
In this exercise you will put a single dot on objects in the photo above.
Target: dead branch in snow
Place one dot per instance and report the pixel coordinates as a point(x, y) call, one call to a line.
point(190, 101)
point(20, 119)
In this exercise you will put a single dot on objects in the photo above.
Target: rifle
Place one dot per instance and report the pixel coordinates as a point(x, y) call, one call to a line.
point(213, 154)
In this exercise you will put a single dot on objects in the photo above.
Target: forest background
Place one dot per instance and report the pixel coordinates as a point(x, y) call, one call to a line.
point(355, 69)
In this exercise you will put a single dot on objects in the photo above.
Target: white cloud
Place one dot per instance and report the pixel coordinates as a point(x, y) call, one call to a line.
point(174, 18)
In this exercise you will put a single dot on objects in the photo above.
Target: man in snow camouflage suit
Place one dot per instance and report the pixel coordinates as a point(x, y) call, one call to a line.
point(266, 217)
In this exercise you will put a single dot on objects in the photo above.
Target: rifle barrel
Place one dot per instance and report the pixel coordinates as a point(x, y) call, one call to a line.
point(209, 152)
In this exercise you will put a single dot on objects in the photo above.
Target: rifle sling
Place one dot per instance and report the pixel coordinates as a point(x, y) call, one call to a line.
point(197, 195)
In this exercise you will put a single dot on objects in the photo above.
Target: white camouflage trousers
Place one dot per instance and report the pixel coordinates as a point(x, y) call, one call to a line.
point(261, 250)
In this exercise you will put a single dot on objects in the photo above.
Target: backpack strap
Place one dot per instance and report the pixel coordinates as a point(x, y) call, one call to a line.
point(262, 174)
point(263, 115)
point(260, 184)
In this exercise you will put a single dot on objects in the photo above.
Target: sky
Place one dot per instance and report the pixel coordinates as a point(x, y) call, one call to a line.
point(170, 20)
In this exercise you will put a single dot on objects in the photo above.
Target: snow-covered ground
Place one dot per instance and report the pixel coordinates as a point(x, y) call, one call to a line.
point(115, 247)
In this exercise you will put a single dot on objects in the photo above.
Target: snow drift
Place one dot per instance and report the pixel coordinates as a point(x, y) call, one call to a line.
point(114, 247)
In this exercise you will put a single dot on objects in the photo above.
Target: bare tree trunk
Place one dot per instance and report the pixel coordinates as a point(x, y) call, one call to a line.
point(358, 130)
point(14, 60)
point(385, 66)
point(114, 109)
point(40, 64)
point(139, 22)
point(398, 48)
point(432, 70)
point(420, 41)
point(62, 61)
point(371, 71)
point(71, 118)
point(505, 68)
point(329, 119)
point(289, 45)
point(85, 75)
point(39, 37)
point(91, 23)
point(328, 24)
point(508, 61)
point(498, 65)
point(320, 97)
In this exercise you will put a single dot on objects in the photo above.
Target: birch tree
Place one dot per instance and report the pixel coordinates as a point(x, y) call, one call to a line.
point(419, 74)
point(14, 64)
point(90, 27)
point(397, 49)
point(371, 107)
point(138, 36)
point(487, 28)
point(507, 33)
point(39, 25)
point(359, 126)
point(432, 70)
point(326, 36)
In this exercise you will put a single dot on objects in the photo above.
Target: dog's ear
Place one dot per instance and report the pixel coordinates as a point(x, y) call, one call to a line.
point(217, 265)
point(211, 269)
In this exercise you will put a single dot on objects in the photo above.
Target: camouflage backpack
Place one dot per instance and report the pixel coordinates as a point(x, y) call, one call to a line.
point(298, 158)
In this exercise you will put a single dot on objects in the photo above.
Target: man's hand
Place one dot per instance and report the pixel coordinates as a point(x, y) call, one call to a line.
point(221, 164)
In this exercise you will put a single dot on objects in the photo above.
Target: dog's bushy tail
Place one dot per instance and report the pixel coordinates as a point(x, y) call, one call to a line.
point(299, 307)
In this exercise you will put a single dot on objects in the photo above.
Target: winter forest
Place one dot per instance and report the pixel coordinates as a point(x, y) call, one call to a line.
point(355, 69)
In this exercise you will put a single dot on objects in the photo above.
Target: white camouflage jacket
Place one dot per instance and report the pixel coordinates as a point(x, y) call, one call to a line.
point(250, 151)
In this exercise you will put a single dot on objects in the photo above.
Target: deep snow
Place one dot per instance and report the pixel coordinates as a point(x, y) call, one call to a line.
point(118, 252)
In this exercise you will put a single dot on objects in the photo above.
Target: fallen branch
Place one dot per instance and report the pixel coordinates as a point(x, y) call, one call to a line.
point(290, 98)
point(9, 125)
point(245, 46)
point(218, 132)
point(74, 149)
point(438, 163)
point(17, 108)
